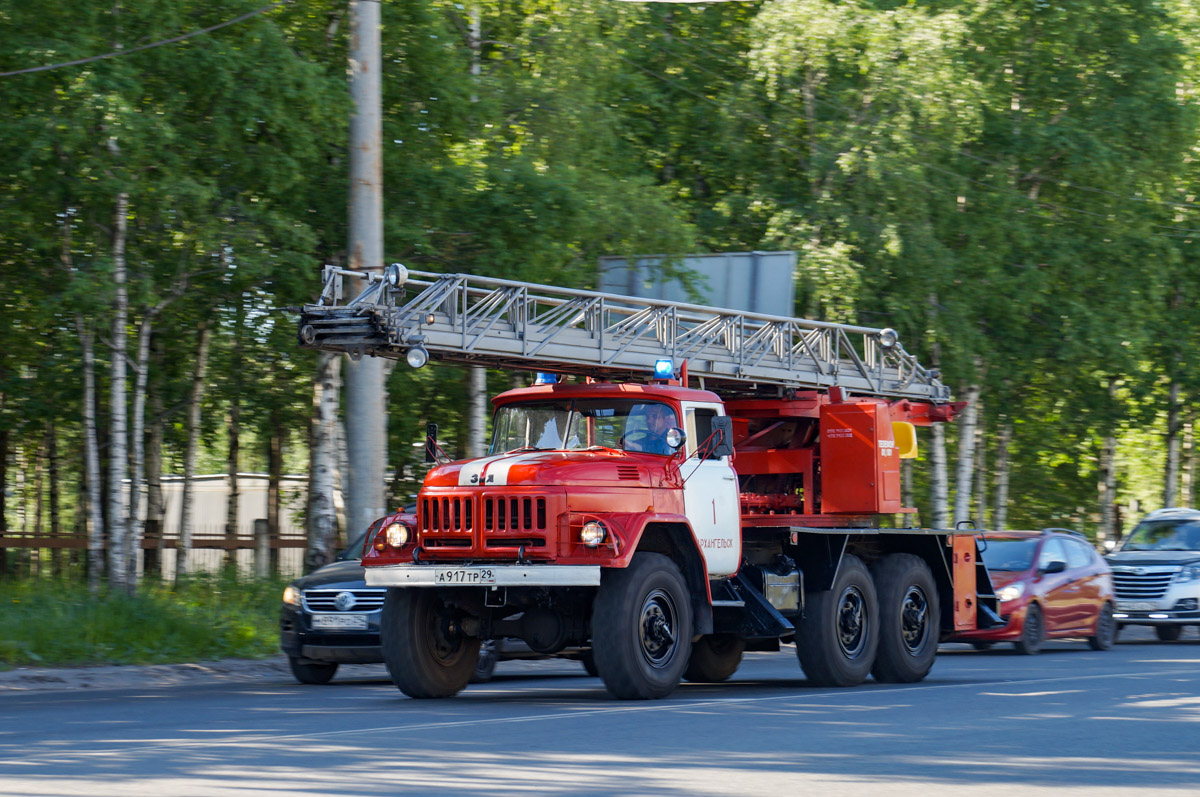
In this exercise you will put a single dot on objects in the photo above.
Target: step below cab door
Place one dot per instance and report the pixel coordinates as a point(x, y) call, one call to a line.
point(710, 494)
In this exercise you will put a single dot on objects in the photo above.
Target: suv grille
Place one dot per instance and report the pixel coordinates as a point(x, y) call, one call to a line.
point(1133, 586)
point(324, 600)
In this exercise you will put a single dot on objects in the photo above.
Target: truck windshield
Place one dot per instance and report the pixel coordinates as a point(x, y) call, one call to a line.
point(1164, 535)
point(623, 424)
point(1011, 556)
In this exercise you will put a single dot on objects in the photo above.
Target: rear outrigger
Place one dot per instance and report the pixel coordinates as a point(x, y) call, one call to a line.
point(662, 522)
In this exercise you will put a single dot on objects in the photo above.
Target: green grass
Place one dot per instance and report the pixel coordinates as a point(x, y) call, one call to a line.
point(52, 623)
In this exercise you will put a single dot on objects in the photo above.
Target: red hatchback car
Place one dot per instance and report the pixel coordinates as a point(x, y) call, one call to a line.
point(1050, 583)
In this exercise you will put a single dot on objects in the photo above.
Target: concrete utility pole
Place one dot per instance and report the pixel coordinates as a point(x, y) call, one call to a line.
point(366, 397)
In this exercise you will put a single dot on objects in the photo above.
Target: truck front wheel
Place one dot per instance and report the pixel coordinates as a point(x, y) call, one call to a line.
point(642, 628)
point(909, 619)
point(426, 654)
point(837, 638)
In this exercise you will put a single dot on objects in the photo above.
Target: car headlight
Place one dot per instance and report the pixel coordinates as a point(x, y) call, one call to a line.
point(291, 596)
point(593, 534)
point(1188, 573)
point(397, 535)
point(1011, 592)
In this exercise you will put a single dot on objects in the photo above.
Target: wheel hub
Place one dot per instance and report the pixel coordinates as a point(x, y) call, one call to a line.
point(657, 628)
point(852, 622)
point(914, 615)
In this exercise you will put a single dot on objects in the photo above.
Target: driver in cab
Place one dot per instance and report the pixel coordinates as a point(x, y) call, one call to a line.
point(653, 440)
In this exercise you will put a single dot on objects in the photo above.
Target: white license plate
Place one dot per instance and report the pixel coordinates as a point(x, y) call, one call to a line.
point(339, 621)
point(1136, 606)
point(465, 575)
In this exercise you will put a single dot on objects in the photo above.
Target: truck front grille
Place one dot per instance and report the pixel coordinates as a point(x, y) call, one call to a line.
point(480, 521)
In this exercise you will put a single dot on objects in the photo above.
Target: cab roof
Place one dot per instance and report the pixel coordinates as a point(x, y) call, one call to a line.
point(613, 390)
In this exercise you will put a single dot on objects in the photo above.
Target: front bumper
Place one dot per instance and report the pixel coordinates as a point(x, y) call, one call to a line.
point(1179, 606)
point(299, 640)
point(500, 575)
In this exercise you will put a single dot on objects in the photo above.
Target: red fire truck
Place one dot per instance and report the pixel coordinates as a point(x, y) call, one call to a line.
point(691, 484)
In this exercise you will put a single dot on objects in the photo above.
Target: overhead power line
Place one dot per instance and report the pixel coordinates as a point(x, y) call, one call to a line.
point(152, 45)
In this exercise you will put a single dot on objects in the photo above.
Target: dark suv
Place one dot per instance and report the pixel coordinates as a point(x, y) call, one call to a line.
point(331, 617)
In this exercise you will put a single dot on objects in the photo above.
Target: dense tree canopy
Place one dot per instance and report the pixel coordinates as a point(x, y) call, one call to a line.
point(1012, 186)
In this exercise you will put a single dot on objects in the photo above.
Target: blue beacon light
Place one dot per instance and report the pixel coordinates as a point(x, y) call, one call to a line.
point(546, 379)
point(663, 369)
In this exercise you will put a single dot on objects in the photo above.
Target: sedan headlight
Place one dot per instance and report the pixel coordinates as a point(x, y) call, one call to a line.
point(1188, 573)
point(397, 535)
point(1011, 592)
point(291, 596)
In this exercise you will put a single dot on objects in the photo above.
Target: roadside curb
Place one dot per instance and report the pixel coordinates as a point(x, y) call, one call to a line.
point(146, 675)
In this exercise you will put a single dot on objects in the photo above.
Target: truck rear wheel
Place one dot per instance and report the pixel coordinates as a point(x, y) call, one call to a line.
point(425, 654)
point(642, 628)
point(715, 657)
point(909, 617)
point(837, 638)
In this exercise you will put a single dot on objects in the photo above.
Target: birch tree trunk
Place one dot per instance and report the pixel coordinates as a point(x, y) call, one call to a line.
point(3, 497)
point(1108, 491)
point(184, 547)
point(939, 477)
point(155, 508)
point(118, 456)
point(1189, 463)
point(966, 456)
point(322, 514)
point(95, 545)
point(137, 444)
point(981, 472)
point(343, 467)
point(39, 491)
point(1000, 507)
point(1174, 427)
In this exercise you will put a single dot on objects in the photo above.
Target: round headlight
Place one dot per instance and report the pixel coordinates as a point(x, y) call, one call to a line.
point(291, 596)
point(593, 533)
point(888, 338)
point(674, 437)
point(397, 535)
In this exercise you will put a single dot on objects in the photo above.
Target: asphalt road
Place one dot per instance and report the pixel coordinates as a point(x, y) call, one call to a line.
point(1069, 720)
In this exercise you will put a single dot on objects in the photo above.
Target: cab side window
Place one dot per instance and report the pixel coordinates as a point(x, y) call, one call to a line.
point(704, 430)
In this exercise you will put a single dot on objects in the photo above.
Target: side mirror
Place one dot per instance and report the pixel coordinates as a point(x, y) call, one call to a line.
point(722, 440)
point(1057, 566)
point(431, 446)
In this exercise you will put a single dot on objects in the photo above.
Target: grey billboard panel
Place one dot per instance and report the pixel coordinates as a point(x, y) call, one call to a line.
point(755, 282)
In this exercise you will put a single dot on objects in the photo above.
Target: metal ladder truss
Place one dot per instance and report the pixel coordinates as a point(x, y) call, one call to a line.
point(525, 326)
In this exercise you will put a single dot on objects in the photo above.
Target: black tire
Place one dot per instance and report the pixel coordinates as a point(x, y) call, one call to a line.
point(589, 663)
point(1106, 630)
point(983, 645)
point(312, 672)
point(715, 658)
point(909, 619)
point(485, 666)
point(423, 657)
point(642, 628)
point(839, 633)
point(1168, 633)
point(1033, 633)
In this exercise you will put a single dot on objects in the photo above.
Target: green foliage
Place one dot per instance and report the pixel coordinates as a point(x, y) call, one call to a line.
point(50, 622)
